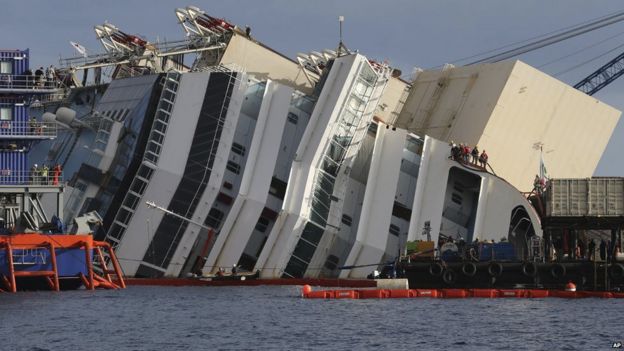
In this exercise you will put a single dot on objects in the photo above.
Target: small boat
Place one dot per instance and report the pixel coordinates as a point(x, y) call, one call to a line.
point(220, 276)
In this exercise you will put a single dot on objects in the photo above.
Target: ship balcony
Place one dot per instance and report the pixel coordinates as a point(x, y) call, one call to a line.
point(27, 130)
point(28, 84)
point(50, 179)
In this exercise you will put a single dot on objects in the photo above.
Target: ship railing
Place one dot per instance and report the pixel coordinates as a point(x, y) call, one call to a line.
point(28, 82)
point(38, 177)
point(42, 100)
point(28, 129)
point(223, 67)
point(71, 62)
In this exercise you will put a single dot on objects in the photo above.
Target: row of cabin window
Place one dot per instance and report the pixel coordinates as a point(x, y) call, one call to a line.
point(237, 149)
point(394, 230)
point(215, 217)
point(240, 149)
point(231, 165)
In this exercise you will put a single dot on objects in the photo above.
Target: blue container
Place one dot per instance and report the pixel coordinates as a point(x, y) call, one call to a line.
point(18, 60)
point(497, 252)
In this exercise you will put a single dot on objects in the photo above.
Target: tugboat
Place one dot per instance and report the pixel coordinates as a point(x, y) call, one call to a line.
point(35, 254)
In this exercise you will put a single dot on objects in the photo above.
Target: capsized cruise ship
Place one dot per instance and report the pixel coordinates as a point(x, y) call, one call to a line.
point(301, 167)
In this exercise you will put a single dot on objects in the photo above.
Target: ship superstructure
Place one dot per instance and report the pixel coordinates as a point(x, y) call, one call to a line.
point(21, 187)
point(296, 167)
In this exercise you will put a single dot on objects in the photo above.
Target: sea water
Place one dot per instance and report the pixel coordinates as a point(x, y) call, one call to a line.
point(277, 318)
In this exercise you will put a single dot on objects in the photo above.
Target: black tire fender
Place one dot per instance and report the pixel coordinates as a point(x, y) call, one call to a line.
point(616, 271)
point(495, 269)
point(436, 269)
point(529, 269)
point(469, 269)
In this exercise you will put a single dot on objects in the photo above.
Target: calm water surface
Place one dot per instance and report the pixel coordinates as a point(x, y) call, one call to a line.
point(276, 318)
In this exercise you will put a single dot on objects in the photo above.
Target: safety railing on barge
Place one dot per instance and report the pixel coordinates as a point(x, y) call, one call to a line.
point(31, 83)
point(28, 130)
point(40, 176)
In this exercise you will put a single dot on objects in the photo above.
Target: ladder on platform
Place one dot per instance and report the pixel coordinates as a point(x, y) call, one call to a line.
point(107, 274)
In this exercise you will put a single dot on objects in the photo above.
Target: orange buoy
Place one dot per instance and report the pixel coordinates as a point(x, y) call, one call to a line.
point(306, 290)
point(570, 286)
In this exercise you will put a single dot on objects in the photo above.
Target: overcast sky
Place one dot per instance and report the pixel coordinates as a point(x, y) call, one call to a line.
point(408, 33)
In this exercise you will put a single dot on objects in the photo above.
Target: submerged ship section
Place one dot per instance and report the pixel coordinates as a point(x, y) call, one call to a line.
point(315, 196)
point(196, 117)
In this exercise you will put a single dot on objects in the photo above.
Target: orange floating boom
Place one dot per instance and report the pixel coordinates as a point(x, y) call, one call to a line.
point(308, 293)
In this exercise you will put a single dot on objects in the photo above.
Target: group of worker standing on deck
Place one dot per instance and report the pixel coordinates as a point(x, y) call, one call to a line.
point(590, 249)
point(469, 155)
point(45, 175)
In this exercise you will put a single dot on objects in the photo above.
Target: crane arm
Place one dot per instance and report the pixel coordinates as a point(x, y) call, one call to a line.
point(602, 77)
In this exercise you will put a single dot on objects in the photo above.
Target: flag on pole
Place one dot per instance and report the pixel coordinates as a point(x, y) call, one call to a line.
point(81, 49)
point(543, 173)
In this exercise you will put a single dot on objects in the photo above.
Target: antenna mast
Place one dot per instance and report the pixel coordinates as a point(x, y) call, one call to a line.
point(341, 45)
